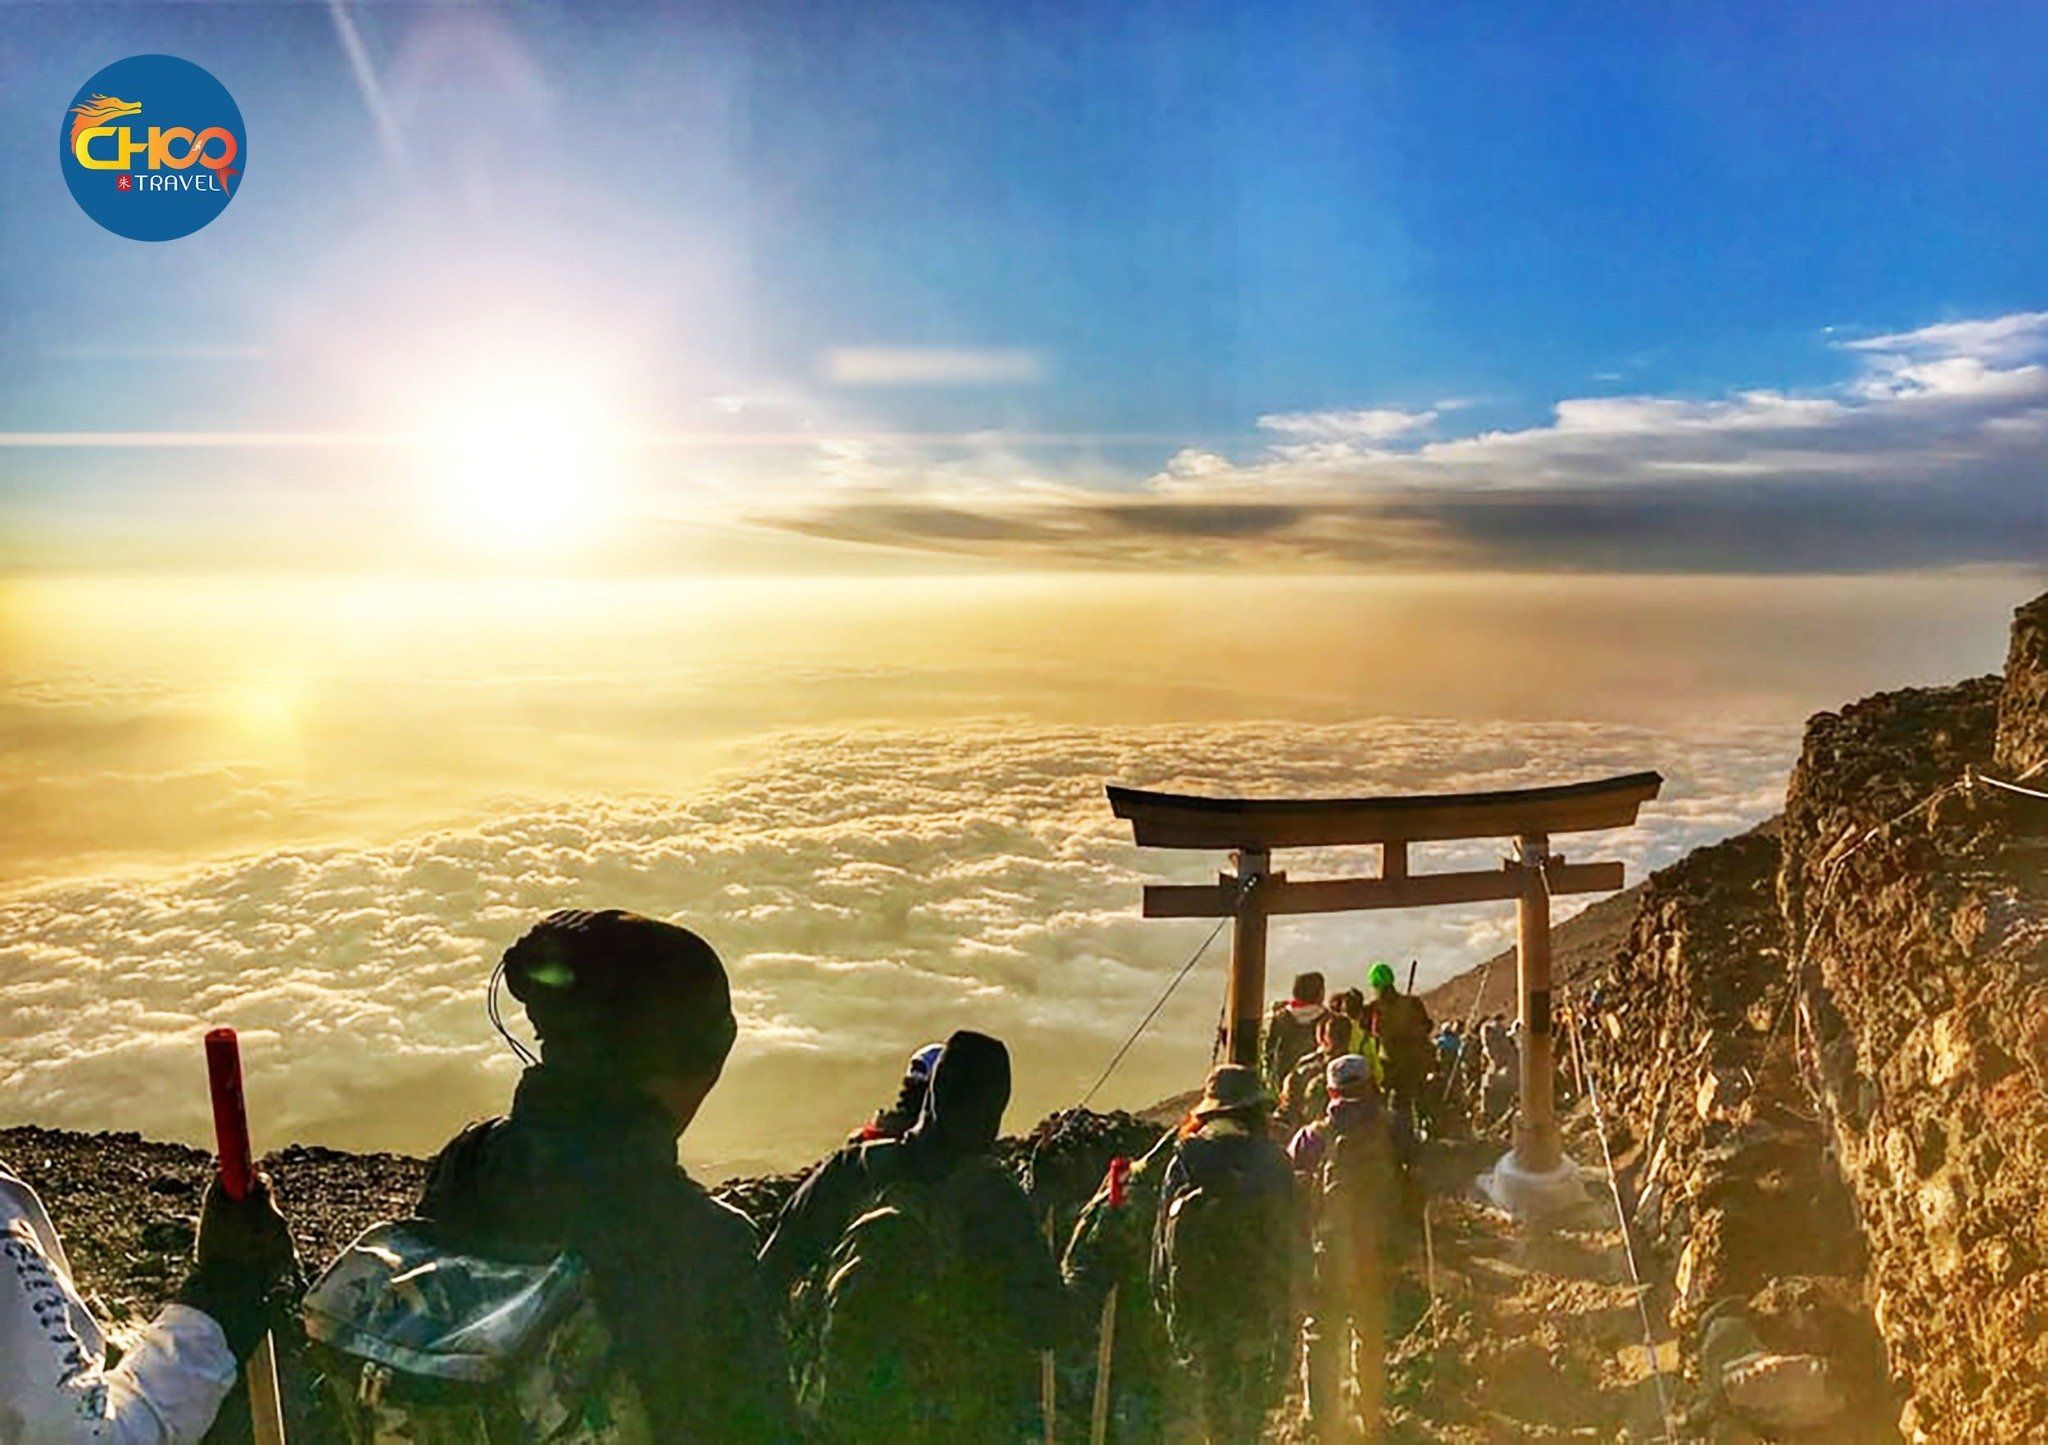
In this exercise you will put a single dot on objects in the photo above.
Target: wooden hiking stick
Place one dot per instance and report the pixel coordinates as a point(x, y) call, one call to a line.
point(1105, 1350)
point(237, 1174)
point(1048, 1373)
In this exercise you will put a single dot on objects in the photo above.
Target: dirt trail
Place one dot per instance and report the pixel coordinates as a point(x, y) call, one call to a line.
point(1534, 1335)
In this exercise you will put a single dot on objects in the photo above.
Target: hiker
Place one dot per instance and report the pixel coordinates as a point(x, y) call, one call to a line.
point(1348, 1163)
point(1227, 1254)
point(1291, 1030)
point(1351, 1004)
point(1111, 1246)
point(1303, 1096)
point(1501, 1060)
point(1401, 1025)
point(895, 1121)
point(940, 1289)
point(56, 1383)
point(635, 1021)
point(1441, 1091)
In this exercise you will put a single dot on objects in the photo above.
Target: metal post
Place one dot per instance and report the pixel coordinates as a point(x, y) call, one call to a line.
point(1247, 998)
point(1538, 1148)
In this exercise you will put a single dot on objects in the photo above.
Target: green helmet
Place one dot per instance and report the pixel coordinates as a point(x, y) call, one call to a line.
point(1382, 976)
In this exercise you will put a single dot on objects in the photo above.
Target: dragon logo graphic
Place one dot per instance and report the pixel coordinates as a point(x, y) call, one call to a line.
point(98, 111)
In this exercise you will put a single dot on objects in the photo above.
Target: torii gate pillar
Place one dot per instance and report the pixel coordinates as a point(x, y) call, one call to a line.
point(1245, 1005)
point(1538, 1149)
point(1535, 1178)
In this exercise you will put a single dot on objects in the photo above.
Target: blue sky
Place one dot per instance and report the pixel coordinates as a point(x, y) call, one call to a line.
point(1167, 220)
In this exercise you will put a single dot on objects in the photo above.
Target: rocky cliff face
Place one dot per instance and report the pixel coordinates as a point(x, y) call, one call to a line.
point(1823, 1048)
point(2022, 744)
point(1918, 907)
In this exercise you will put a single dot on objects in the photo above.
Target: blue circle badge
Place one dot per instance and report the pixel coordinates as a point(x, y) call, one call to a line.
point(153, 147)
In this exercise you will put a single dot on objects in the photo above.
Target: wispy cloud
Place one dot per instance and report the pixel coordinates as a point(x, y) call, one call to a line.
point(1369, 424)
point(930, 366)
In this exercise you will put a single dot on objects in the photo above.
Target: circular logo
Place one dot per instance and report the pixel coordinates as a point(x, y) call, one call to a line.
point(153, 147)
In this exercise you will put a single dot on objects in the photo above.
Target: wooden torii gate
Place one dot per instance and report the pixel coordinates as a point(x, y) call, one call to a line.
point(1252, 828)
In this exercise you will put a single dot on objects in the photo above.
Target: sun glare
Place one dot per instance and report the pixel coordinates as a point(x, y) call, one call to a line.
point(523, 463)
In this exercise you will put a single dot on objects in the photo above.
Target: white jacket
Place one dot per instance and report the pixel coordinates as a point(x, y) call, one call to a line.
point(54, 1380)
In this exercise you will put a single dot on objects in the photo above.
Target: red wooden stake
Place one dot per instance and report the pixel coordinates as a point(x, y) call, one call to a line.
point(1119, 1180)
point(230, 1114)
point(237, 1174)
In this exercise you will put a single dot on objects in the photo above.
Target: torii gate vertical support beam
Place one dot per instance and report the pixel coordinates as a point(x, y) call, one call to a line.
point(1538, 1149)
point(1535, 1180)
point(1246, 1002)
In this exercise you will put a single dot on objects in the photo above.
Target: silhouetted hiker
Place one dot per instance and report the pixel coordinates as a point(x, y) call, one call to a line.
point(1226, 1254)
point(895, 1121)
point(1112, 1245)
point(1401, 1025)
point(1347, 1161)
point(674, 1336)
point(55, 1381)
point(940, 1291)
point(1291, 1029)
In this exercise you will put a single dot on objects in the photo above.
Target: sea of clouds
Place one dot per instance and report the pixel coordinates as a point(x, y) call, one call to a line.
point(870, 888)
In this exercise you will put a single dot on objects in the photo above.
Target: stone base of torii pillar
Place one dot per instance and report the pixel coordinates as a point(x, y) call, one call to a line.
point(1534, 1195)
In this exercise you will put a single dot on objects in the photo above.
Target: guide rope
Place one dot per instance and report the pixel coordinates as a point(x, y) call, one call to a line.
point(1628, 1247)
point(1160, 1003)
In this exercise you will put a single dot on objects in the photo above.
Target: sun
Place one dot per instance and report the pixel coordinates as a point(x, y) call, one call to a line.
point(523, 462)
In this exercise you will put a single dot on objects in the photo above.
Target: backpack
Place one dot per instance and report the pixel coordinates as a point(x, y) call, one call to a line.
point(421, 1343)
point(1213, 1258)
point(1358, 1191)
point(890, 1360)
point(1404, 1030)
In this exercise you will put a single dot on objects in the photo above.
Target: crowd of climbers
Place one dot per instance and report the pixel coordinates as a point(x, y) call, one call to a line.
point(564, 1279)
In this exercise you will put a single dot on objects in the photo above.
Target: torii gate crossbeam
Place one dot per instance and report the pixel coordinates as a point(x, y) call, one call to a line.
point(1251, 828)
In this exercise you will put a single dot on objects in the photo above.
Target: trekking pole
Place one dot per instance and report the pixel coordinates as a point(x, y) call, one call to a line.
point(237, 1174)
point(1105, 1349)
point(1048, 1375)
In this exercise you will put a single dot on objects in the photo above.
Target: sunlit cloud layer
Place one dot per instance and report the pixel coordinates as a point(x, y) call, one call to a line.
point(870, 888)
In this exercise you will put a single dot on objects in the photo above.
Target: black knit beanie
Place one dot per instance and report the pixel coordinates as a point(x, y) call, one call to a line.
point(615, 993)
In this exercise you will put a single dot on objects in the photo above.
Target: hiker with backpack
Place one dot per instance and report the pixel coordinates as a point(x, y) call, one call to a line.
point(1401, 1027)
point(895, 1121)
point(939, 1291)
point(1350, 1003)
point(566, 1279)
point(1227, 1254)
point(1349, 1162)
point(1302, 1097)
point(57, 1380)
point(1111, 1248)
point(1291, 1030)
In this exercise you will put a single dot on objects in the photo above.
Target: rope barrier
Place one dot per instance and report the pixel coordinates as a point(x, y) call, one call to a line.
point(2001, 783)
point(1627, 1236)
point(1160, 1003)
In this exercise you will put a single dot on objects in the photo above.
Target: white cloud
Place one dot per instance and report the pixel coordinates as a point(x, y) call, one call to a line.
point(1958, 403)
point(1371, 424)
point(870, 890)
point(1995, 339)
